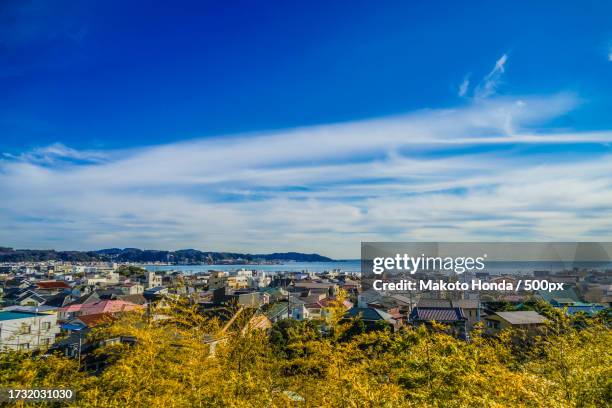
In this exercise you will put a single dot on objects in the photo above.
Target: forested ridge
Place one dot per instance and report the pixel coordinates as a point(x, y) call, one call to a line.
point(182, 256)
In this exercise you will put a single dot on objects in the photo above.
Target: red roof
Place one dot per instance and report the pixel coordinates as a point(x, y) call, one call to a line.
point(52, 285)
point(97, 319)
point(102, 306)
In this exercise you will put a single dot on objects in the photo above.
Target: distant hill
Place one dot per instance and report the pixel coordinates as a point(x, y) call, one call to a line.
point(182, 256)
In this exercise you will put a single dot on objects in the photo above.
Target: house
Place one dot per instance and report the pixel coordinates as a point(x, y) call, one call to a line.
point(83, 298)
point(505, 279)
point(19, 282)
point(389, 306)
point(274, 294)
point(59, 300)
point(597, 292)
point(217, 279)
point(151, 280)
point(126, 288)
point(372, 318)
point(89, 321)
point(257, 322)
point(320, 309)
point(562, 296)
point(22, 297)
point(434, 303)
point(136, 299)
point(51, 287)
point(277, 311)
point(572, 308)
point(368, 296)
point(316, 287)
point(526, 320)
point(351, 286)
point(130, 288)
point(21, 330)
point(101, 306)
point(298, 309)
point(237, 282)
point(247, 297)
point(453, 317)
point(471, 310)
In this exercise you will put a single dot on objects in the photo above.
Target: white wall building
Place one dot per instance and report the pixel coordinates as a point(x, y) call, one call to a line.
point(152, 280)
point(20, 330)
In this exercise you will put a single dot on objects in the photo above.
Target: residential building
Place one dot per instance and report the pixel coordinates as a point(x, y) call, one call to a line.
point(452, 317)
point(217, 280)
point(21, 330)
point(471, 310)
point(526, 320)
point(101, 306)
point(373, 319)
point(151, 280)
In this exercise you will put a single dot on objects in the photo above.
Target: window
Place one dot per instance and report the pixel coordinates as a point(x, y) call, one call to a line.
point(24, 346)
point(46, 325)
point(26, 329)
point(45, 341)
point(492, 324)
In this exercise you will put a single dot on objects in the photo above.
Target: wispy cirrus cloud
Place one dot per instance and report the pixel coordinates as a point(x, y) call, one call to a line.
point(433, 174)
point(464, 86)
point(488, 85)
point(56, 154)
point(490, 82)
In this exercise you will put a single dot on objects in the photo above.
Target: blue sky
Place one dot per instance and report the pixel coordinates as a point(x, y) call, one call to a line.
point(308, 126)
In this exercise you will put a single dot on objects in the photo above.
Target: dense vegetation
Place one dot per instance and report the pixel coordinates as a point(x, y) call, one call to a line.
point(183, 256)
point(130, 271)
point(295, 365)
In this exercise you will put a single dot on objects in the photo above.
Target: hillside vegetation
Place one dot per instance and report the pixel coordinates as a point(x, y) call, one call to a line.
point(293, 364)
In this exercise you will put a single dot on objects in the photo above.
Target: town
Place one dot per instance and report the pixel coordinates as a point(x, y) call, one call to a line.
point(51, 306)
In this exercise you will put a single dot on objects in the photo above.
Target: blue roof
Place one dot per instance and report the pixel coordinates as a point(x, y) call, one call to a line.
point(18, 315)
point(585, 308)
point(70, 326)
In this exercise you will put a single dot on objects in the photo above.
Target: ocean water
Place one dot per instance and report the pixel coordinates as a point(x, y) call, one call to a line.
point(317, 267)
point(354, 265)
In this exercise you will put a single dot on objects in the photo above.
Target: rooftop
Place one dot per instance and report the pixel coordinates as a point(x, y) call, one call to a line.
point(96, 319)
point(13, 315)
point(52, 285)
point(428, 302)
point(522, 317)
point(370, 313)
point(466, 303)
point(439, 314)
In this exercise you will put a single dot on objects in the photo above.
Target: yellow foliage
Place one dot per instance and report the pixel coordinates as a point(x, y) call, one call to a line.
point(172, 365)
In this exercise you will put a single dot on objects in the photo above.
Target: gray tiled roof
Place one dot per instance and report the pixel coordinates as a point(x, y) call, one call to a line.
point(522, 317)
point(439, 314)
point(427, 302)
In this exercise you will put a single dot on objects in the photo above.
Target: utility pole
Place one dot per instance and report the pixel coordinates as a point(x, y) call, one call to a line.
point(288, 303)
point(80, 344)
point(38, 335)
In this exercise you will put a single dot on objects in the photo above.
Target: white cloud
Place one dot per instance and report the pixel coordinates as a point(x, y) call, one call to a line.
point(488, 86)
point(322, 188)
point(57, 153)
point(464, 87)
